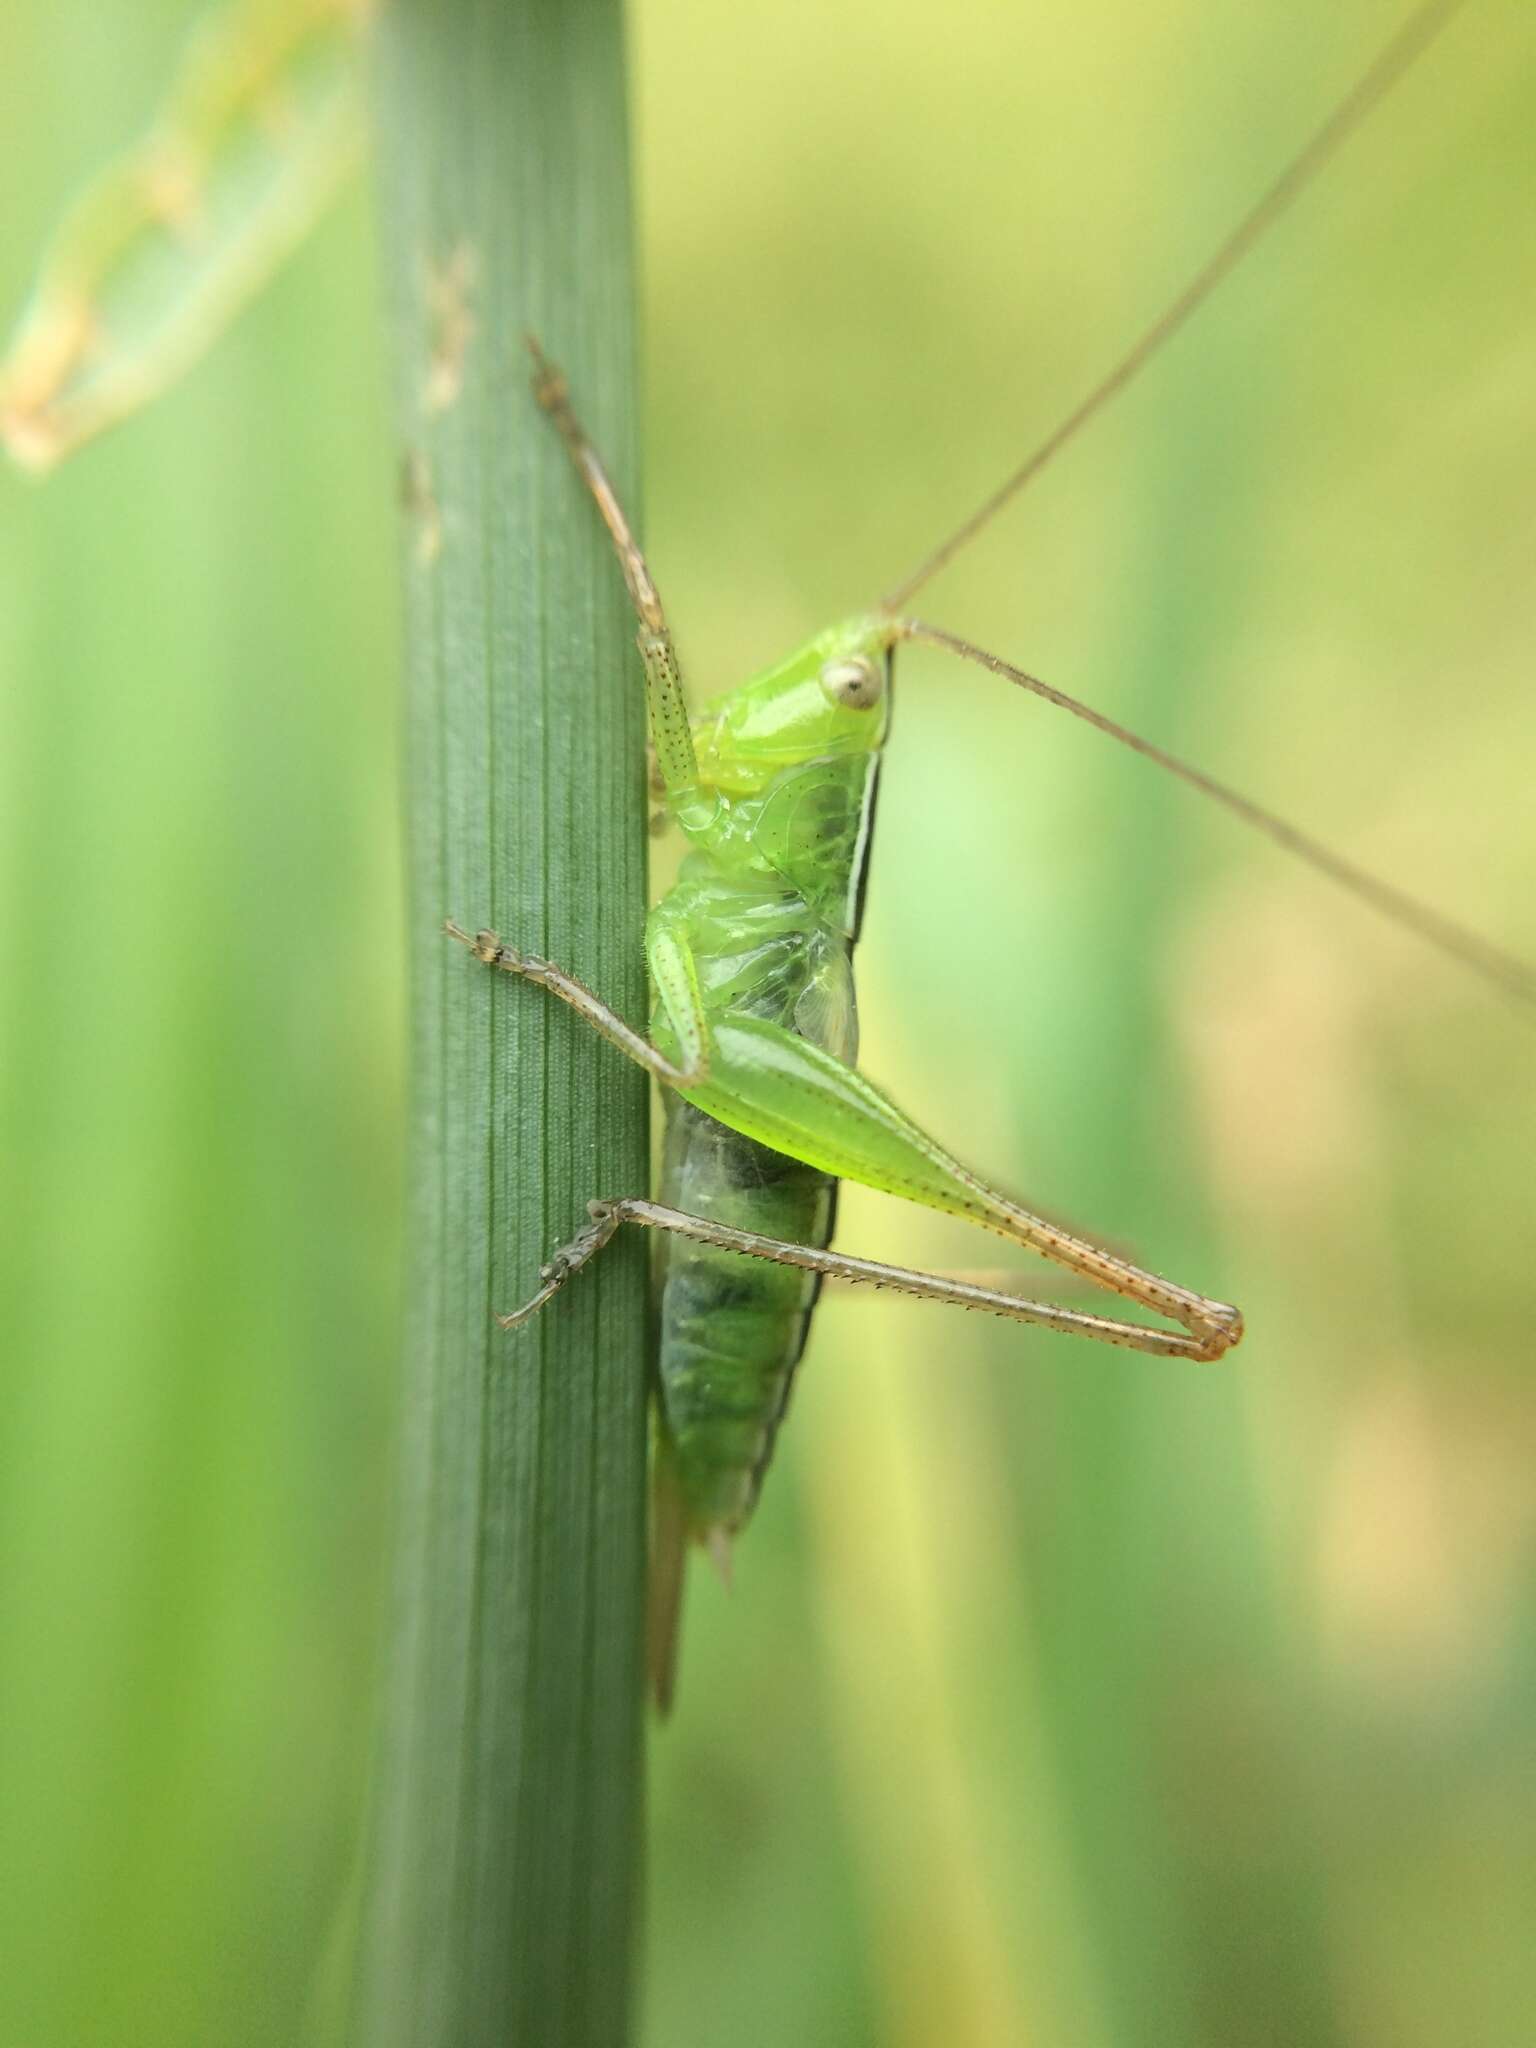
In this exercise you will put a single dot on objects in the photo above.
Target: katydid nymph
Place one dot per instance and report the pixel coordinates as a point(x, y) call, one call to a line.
point(753, 1031)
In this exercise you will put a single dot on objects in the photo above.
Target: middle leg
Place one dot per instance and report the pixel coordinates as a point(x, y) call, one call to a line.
point(586, 1003)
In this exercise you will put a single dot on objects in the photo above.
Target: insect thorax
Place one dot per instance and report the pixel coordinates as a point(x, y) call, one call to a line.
point(805, 833)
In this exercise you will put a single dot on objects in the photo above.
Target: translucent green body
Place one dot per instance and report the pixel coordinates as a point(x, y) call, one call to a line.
point(753, 1032)
point(753, 1029)
point(765, 911)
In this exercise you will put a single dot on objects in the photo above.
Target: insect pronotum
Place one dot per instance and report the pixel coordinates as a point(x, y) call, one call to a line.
point(753, 1030)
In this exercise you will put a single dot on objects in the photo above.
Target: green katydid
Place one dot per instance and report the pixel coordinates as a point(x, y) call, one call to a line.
point(773, 785)
point(753, 1029)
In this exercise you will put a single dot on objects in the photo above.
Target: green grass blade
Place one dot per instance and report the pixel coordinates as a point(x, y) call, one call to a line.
point(500, 1893)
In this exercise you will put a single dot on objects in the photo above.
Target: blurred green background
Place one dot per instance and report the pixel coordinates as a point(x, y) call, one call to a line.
point(1064, 1698)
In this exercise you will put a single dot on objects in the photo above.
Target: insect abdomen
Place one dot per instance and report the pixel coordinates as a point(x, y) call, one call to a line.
point(732, 1328)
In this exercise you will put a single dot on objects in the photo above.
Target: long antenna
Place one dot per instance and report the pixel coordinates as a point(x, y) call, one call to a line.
point(1405, 48)
point(1507, 974)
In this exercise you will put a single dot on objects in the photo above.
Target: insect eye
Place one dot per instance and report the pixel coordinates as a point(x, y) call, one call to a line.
point(855, 681)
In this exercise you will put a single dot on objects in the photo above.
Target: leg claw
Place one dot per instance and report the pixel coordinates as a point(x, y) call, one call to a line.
point(486, 946)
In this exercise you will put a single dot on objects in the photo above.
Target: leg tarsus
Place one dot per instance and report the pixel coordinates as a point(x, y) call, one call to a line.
point(568, 1260)
point(486, 946)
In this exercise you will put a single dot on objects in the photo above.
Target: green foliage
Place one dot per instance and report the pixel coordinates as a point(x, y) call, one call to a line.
point(200, 1052)
point(1061, 1697)
point(167, 243)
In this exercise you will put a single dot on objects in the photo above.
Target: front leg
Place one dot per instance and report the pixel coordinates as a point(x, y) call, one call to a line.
point(671, 733)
